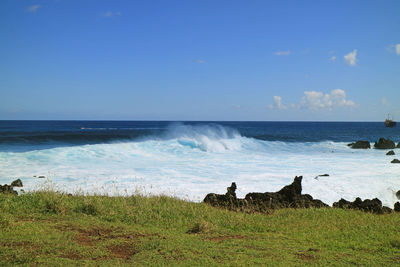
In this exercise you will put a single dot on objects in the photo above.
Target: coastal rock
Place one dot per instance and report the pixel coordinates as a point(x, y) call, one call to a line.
point(17, 183)
point(321, 175)
point(384, 144)
point(398, 194)
point(397, 207)
point(7, 189)
point(398, 145)
point(390, 153)
point(288, 197)
point(368, 205)
point(395, 161)
point(360, 145)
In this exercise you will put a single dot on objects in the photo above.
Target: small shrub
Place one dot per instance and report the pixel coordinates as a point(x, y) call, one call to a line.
point(200, 227)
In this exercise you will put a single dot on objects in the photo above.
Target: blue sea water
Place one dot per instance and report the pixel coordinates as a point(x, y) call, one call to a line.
point(190, 159)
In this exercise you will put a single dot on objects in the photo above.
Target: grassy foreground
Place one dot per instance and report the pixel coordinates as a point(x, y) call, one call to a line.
point(47, 228)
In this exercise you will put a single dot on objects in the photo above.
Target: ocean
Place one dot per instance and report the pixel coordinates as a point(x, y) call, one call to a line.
point(190, 159)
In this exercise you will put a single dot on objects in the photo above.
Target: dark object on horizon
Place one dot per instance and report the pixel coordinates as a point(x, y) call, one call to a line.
point(398, 194)
point(390, 122)
point(17, 183)
point(360, 145)
point(390, 153)
point(395, 161)
point(368, 205)
point(288, 197)
point(321, 175)
point(41, 176)
point(384, 144)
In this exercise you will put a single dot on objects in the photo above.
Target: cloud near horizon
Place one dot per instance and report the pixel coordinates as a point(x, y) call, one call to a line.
point(110, 14)
point(351, 58)
point(397, 49)
point(277, 103)
point(33, 8)
point(283, 53)
point(314, 100)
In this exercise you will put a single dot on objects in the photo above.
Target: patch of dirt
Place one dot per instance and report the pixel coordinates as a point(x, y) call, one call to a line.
point(89, 236)
point(21, 244)
point(225, 237)
point(72, 256)
point(123, 250)
point(308, 255)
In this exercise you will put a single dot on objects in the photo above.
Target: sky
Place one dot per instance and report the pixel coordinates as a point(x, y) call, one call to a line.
point(199, 60)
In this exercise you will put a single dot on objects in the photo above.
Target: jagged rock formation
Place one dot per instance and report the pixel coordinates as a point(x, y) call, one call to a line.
point(395, 161)
point(390, 153)
point(288, 197)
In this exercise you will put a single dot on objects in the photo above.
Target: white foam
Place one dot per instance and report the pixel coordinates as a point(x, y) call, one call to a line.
point(193, 161)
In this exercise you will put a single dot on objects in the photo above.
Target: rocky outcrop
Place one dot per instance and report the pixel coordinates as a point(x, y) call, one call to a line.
point(390, 153)
point(398, 145)
point(397, 207)
point(360, 145)
point(395, 161)
point(17, 183)
point(384, 144)
point(368, 205)
point(288, 197)
point(398, 194)
point(9, 189)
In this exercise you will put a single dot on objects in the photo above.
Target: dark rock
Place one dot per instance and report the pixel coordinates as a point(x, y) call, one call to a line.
point(390, 153)
point(360, 145)
point(395, 161)
point(288, 197)
point(17, 183)
point(321, 175)
point(398, 194)
point(7, 189)
point(368, 205)
point(398, 145)
point(397, 207)
point(384, 144)
point(41, 176)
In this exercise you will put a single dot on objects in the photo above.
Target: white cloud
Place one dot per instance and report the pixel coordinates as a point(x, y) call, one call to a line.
point(33, 9)
point(201, 61)
point(317, 100)
point(332, 58)
point(110, 14)
point(351, 58)
point(397, 49)
point(277, 103)
point(283, 53)
point(384, 101)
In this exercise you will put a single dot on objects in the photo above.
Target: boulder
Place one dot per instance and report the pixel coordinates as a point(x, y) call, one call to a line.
point(395, 161)
point(17, 183)
point(384, 144)
point(398, 145)
point(398, 194)
point(397, 207)
point(7, 189)
point(390, 153)
point(368, 205)
point(360, 145)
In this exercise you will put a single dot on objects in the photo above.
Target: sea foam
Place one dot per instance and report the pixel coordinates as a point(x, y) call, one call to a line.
point(191, 161)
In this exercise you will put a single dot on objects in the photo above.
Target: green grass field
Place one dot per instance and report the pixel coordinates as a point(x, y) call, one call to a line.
point(52, 229)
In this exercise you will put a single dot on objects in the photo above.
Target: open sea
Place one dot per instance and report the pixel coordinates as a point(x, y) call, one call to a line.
point(190, 159)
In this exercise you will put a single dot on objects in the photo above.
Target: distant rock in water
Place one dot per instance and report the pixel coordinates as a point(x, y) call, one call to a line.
point(368, 205)
point(398, 145)
point(397, 207)
point(384, 144)
point(398, 194)
point(360, 145)
point(321, 175)
point(395, 161)
point(17, 183)
point(288, 197)
point(390, 153)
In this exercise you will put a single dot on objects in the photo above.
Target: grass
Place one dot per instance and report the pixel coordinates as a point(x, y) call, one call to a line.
point(53, 229)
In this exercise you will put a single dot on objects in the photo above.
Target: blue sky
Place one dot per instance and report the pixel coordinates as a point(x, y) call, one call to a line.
point(199, 60)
